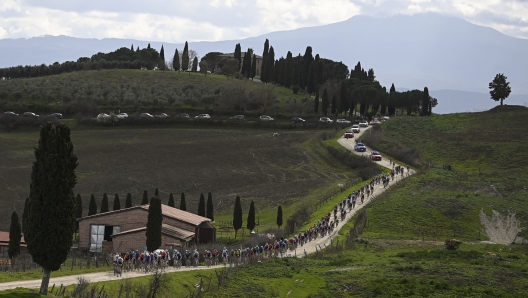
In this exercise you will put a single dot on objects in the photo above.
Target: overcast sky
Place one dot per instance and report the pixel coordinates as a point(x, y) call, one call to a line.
point(212, 20)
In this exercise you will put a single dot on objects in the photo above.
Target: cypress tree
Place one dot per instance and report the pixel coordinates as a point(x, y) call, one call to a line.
point(288, 75)
point(334, 105)
point(183, 206)
point(128, 202)
point(171, 200)
point(78, 211)
point(148, 47)
point(279, 217)
point(25, 214)
point(237, 216)
point(307, 58)
point(425, 102)
point(251, 217)
point(324, 103)
point(92, 207)
point(295, 73)
point(263, 72)
point(185, 59)
point(156, 192)
point(117, 203)
point(104, 204)
point(15, 234)
point(145, 198)
point(238, 55)
point(210, 211)
point(162, 54)
point(132, 47)
point(201, 206)
point(392, 99)
point(194, 67)
point(176, 61)
point(253, 67)
point(154, 222)
point(50, 222)
point(270, 63)
point(137, 50)
point(282, 74)
point(310, 82)
point(316, 102)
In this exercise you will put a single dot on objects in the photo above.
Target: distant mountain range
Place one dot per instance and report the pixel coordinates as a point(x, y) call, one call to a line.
point(452, 57)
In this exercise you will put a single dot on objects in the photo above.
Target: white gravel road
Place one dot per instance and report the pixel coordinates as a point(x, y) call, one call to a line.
point(300, 252)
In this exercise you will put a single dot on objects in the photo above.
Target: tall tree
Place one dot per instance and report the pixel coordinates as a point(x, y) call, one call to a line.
point(210, 211)
point(238, 55)
point(251, 217)
point(370, 75)
point(282, 72)
point(104, 204)
point(194, 67)
point(162, 54)
point(334, 105)
point(51, 200)
point(316, 102)
point(499, 88)
point(176, 61)
point(171, 200)
point(132, 47)
point(78, 210)
point(156, 192)
point(128, 202)
point(237, 216)
point(279, 217)
point(117, 203)
point(25, 214)
point(308, 58)
point(392, 101)
point(288, 70)
point(15, 234)
point(246, 65)
point(201, 205)
point(324, 102)
point(145, 200)
point(270, 63)
point(425, 102)
point(253, 67)
point(185, 58)
point(183, 205)
point(92, 207)
point(263, 71)
point(148, 47)
point(310, 82)
point(154, 222)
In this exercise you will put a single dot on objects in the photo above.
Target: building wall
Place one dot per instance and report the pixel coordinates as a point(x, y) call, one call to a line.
point(138, 241)
point(127, 220)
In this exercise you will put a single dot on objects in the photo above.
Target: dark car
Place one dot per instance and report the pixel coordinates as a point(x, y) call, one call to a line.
point(297, 120)
point(238, 118)
point(9, 113)
point(182, 116)
point(55, 115)
point(30, 115)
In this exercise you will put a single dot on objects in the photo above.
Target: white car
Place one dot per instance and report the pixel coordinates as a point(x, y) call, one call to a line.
point(103, 117)
point(122, 115)
point(265, 118)
point(355, 128)
point(343, 121)
point(363, 123)
point(162, 115)
point(146, 115)
point(203, 116)
point(326, 120)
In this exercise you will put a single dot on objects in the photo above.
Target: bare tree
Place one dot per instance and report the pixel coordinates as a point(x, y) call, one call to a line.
point(266, 96)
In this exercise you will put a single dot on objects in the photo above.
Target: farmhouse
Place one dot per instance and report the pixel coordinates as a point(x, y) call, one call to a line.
point(242, 55)
point(4, 247)
point(125, 229)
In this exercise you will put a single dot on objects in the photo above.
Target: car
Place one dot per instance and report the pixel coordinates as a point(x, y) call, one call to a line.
point(385, 118)
point(326, 120)
point(348, 134)
point(182, 116)
point(297, 120)
point(265, 118)
point(363, 123)
point(356, 122)
point(374, 121)
point(203, 116)
point(162, 115)
point(375, 155)
point(355, 128)
point(9, 113)
point(103, 117)
point(122, 115)
point(56, 115)
point(146, 115)
point(30, 115)
point(360, 147)
point(238, 118)
point(343, 121)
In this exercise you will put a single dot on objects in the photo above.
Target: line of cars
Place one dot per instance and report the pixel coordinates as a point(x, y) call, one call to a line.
point(32, 115)
point(102, 117)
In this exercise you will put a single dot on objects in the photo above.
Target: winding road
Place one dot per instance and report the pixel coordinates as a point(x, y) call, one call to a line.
point(308, 248)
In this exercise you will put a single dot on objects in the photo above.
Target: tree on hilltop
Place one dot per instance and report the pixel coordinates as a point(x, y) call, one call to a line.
point(92, 207)
point(194, 67)
point(279, 217)
point(104, 204)
point(185, 58)
point(128, 202)
point(176, 61)
point(117, 203)
point(183, 205)
point(201, 205)
point(145, 200)
point(251, 217)
point(500, 89)
point(210, 211)
point(171, 200)
point(237, 216)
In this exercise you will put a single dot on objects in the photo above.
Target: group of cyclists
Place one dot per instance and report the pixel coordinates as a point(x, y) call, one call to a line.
point(147, 261)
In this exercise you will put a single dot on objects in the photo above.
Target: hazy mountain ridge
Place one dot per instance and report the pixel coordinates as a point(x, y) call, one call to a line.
point(413, 51)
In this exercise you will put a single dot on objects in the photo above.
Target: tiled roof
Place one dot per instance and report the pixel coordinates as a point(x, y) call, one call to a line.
point(4, 239)
point(180, 215)
point(110, 212)
point(165, 229)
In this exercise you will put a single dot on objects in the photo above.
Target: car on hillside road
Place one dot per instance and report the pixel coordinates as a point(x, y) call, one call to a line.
point(348, 134)
point(10, 114)
point(55, 115)
point(375, 156)
point(297, 120)
point(183, 116)
point(30, 115)
point(162, 115)
point(355, 128)
point(343, 121)
point(238, 118)
point(122, 115)
point(360, 147)
point(203, 116)
point(326, 120)
point(146, 115)
point(363, 123)
point(103, 117)
point(265, 118)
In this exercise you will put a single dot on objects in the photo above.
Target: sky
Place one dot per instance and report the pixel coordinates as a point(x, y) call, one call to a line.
point(213, 20)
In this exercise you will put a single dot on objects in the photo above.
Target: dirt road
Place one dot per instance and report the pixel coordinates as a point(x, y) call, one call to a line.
point(299, 252)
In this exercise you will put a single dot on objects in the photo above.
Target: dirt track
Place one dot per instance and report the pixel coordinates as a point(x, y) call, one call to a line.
point(300, 252)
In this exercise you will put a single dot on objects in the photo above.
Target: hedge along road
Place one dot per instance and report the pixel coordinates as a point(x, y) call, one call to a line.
point(306, 249)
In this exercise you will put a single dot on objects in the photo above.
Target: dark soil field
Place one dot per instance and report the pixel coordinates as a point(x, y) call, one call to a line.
point(227, 162)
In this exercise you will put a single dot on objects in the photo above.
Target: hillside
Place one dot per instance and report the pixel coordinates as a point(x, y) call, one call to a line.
point(488, 161)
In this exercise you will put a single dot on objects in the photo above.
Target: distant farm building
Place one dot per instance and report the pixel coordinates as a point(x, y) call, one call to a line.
point(125, 229)
point(4, 246)
point(243, 54)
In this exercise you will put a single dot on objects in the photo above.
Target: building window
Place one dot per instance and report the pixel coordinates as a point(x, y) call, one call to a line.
point(98, 233)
